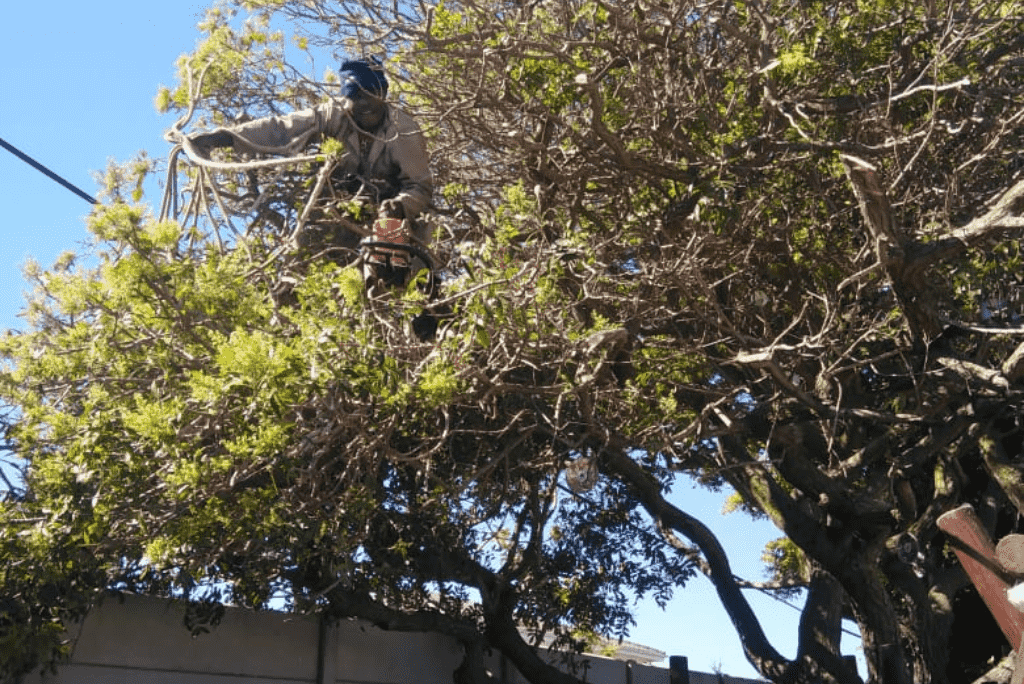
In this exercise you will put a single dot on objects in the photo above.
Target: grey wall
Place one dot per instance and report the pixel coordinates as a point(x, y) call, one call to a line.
point(143, 641)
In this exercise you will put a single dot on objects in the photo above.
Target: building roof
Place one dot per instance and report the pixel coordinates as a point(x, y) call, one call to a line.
point(615, 649)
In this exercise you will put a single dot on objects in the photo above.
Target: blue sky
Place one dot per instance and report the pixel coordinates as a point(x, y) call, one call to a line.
point(78, 81)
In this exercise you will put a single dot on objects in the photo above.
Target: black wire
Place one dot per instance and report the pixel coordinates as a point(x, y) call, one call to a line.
point(39, 167)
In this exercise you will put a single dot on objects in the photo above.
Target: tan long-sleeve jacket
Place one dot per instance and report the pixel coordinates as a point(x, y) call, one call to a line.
point(395, 158)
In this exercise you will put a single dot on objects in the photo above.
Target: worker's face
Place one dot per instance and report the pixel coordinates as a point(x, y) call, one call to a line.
point(368, 110)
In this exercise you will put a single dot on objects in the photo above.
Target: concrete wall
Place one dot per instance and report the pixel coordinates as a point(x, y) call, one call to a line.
point(143, 641)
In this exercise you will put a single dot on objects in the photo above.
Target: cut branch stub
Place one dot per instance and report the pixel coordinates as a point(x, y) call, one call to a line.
point(874, 206)
point(892, 250)
point(1010, 554)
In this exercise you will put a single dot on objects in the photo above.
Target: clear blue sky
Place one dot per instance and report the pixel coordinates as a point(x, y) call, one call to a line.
point(78, 81)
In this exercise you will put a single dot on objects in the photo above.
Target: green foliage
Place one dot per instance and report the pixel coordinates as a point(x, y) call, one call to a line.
point(652, 257)
point(786, 562)
point(332, 147)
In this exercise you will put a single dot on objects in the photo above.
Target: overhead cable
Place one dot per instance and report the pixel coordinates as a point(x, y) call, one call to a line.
point(39, 167)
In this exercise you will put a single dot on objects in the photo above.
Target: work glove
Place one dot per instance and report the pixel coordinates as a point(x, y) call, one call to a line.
point(204, 142)
point(392, 208)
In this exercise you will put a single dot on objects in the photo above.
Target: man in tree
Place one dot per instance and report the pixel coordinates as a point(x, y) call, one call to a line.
point(384, 161)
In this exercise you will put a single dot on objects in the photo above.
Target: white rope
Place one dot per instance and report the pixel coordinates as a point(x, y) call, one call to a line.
point(200, 160)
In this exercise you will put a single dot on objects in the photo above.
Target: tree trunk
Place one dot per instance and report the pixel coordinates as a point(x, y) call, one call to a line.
point(821, 631)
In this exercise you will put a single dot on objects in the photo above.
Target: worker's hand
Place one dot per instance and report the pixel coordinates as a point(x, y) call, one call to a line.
point(204, 142)
point(392, 208)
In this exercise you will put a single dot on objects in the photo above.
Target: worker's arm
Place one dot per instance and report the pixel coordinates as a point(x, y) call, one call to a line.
point(284, 135)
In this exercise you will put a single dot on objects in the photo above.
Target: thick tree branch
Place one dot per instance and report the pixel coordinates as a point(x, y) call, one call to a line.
point(1002, 673)
point(1005, 214)
point(852, 568)
point(755, 642)
point(821, 630)
point(498, 601)
point(1007, 474)
point(360, 605)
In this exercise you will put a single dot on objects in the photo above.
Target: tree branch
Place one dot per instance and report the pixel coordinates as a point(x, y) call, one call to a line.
point(1004, 215)
point(756, 646)
point(891, 250)
point(821, 630)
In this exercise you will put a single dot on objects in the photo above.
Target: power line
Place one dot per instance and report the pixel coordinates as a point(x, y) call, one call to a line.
point(39, 167)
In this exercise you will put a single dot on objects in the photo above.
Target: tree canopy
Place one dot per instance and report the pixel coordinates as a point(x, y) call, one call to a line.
point(772, 245)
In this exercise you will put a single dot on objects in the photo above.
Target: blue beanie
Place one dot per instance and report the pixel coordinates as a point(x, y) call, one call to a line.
point(358, 74)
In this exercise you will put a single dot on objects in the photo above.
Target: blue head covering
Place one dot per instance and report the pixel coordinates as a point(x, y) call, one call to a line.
point(359, 74)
